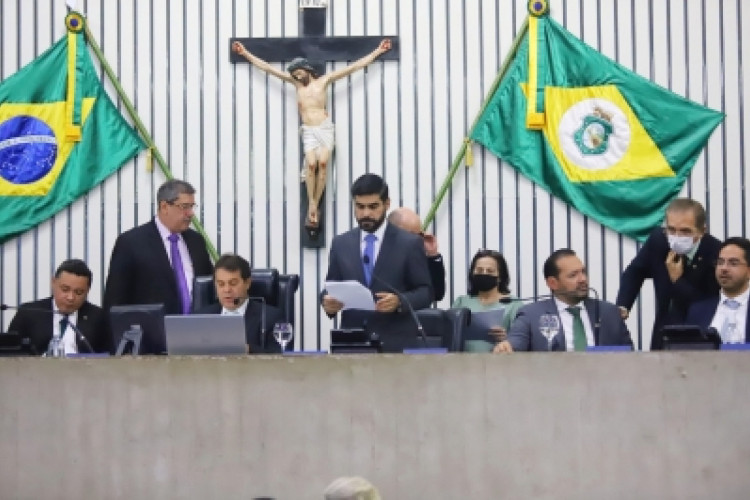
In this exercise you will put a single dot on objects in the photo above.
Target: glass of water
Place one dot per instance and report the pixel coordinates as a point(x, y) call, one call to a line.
point(549, 326)
point(283, 333)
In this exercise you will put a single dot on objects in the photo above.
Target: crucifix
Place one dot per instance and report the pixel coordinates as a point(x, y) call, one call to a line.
point(308, 55)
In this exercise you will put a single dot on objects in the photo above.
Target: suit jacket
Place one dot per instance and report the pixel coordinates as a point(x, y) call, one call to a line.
point(702, 312)
point(437, 276)
point(140, 272)
point(524, 334)
point(253, 334)
point(401, 264)
point(36, 324)
point(672, 299)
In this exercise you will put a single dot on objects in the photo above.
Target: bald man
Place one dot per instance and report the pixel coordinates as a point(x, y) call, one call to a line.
point(408, 220)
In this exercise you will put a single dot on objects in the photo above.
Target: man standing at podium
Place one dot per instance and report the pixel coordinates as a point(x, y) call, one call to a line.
point(389, 261)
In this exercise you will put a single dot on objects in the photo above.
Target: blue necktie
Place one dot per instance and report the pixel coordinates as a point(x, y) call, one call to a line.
point(368, 258)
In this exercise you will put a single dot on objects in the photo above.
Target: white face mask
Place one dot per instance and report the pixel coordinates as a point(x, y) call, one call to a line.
point(681, 244)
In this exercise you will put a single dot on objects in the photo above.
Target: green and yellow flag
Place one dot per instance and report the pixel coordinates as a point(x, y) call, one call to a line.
point(60, 134)
point(609, 142)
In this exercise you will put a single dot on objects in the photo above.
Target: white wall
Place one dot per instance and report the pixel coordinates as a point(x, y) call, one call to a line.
point(233, 131)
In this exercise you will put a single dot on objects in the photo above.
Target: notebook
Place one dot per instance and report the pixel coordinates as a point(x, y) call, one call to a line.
point(206, 334)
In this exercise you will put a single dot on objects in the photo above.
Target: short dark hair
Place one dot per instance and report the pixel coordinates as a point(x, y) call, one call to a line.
point(232, 262)
point(370, 184)
point(550, 269)
point(75, 266)
point(738, 241)
point(502, 270)
point(685, 204)
point(172, 189)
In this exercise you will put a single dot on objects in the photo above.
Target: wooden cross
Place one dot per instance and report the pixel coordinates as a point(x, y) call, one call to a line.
point(317, 48)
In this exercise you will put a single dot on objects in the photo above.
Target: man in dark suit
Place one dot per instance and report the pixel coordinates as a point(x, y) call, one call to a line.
point(155, 263)
point(384, 259)
point(232, 281)
point(41, 320)
point(679, 258)
point(582, 321)
point(727, 311)
point(408, 220)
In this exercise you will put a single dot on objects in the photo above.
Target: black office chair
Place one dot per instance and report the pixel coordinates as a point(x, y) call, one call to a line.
point(444, 328)
point(277, 290)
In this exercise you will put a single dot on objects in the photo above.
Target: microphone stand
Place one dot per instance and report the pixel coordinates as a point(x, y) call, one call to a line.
point(402, 298)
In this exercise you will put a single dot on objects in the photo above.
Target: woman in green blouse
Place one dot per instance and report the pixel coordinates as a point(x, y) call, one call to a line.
point(488, 284)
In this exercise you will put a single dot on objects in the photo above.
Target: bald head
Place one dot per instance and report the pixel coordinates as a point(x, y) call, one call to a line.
point(406, 219)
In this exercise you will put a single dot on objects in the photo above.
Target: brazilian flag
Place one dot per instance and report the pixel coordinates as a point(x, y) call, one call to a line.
point(607, 141)
point(60, 134)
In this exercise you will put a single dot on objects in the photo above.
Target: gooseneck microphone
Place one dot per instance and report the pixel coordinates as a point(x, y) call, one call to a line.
point(79, 334)
point(262, 301)
point(402, 298)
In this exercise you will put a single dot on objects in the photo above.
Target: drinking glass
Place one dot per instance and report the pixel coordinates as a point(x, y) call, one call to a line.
point(283, 333)
point(549, 326)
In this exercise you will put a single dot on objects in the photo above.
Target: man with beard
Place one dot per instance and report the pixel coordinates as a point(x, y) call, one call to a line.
point(383, 258)
point(317, 128)
point(583, 322)
point(727, 312)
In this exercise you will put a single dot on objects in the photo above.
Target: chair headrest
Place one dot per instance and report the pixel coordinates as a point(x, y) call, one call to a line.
point(265, 283)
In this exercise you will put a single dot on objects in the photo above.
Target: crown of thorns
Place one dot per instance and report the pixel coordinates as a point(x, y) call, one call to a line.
point(301, 63)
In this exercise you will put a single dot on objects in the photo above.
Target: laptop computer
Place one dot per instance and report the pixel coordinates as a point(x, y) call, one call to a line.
point(205, 334)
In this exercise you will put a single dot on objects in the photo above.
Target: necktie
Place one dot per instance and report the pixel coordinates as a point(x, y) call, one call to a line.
point(579, 332)
point(728, 329)
point(63, 325)
point(368, 258)
point(179, 273)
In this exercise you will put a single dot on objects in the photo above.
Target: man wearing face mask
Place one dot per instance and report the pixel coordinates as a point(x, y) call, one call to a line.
point(679, 258)
point(381, 257)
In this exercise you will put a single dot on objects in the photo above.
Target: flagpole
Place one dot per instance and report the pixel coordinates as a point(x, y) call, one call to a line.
point(142, 129)
point(466, 143)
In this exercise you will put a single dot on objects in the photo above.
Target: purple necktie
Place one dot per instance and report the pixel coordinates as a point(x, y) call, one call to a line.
point(179, 273)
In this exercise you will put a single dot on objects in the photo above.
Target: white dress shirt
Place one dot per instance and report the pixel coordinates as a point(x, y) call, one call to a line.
point(240, 311)
point(68, 336)
point(725, 316)
point(566, 320)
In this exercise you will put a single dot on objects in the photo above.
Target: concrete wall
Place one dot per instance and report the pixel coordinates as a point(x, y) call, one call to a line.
point(614, 426)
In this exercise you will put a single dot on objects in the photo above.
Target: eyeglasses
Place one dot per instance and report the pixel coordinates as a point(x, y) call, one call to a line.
point(730, 262)
point(185, 207)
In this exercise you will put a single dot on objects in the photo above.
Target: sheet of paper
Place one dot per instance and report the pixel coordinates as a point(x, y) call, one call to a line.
point(353, 294)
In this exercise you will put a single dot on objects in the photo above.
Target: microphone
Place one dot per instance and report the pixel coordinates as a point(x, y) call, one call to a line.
point(79, 334)
point(262, 301)
point(402, 298)
point(508, 300)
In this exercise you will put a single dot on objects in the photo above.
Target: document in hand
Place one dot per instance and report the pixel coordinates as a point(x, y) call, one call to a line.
point(481, 322)
point(353, 294)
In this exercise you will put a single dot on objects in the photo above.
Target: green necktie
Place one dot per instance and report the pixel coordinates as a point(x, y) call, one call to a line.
point(579, 333)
